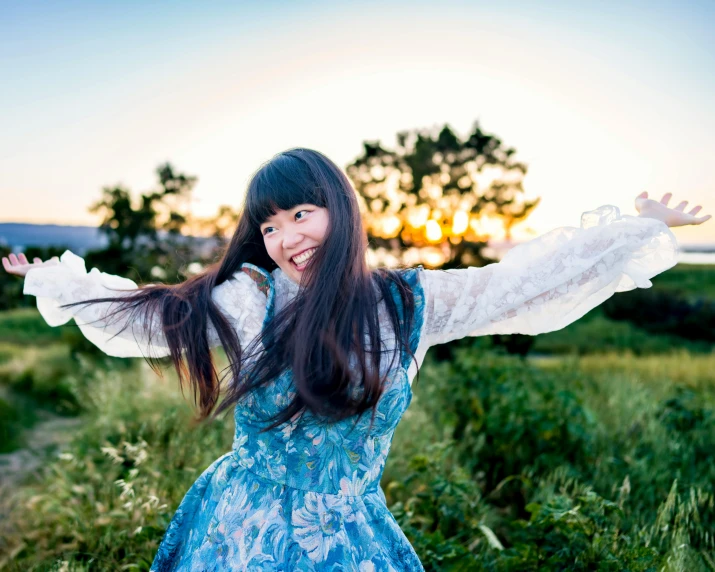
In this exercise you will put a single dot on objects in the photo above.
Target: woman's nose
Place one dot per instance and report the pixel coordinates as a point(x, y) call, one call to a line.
point(291, 239)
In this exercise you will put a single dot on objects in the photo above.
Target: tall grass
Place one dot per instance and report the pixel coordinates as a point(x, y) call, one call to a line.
point(582, 463)
point(105, 500)
point(594, 463)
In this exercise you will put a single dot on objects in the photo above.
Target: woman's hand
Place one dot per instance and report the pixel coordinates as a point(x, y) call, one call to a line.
point(672, 217)
point(19, 265)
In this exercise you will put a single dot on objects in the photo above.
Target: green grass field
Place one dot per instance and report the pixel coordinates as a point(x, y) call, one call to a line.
point(596, 454)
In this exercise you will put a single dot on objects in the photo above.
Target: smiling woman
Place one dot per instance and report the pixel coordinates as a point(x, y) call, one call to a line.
point(292, 237)
point(315, 341)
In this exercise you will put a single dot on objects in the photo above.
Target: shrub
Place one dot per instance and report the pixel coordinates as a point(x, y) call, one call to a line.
point(570, 527)
point(515, 426)
point(439, 508)
point(595, 334)
point(509, 417)
point(664, 313)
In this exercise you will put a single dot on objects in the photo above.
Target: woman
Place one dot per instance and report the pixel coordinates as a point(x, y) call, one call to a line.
point(322, 354)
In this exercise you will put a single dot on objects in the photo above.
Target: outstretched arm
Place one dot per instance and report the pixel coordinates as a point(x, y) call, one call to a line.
point(549, 282)
point(66, 280)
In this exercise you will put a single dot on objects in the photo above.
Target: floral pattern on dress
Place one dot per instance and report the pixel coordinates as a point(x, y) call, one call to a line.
point(303, 496)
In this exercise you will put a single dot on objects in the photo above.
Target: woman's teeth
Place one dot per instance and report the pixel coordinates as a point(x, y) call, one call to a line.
point(303, 257)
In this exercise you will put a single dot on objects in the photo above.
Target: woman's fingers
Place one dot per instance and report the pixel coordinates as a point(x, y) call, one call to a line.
point(660, 210)
point(19, 265)
point(12, 267)
point(641, 200)
point(700, 219)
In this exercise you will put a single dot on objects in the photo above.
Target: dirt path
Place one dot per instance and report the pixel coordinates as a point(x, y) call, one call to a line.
point(42, 439)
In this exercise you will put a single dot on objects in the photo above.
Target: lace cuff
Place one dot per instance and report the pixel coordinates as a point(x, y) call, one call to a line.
point(549, 282)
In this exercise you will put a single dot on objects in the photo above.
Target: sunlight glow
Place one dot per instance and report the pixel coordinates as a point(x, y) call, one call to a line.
point(460, 223)
point(433, 231)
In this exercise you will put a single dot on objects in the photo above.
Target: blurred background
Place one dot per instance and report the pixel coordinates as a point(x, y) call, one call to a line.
point(129, 133)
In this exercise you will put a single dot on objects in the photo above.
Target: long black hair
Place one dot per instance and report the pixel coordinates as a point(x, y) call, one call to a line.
point(335, 311)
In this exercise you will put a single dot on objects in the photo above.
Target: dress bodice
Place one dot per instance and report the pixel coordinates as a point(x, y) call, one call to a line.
point(308, 453)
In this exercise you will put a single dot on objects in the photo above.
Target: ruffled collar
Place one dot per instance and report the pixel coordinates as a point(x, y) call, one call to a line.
point(286, 289)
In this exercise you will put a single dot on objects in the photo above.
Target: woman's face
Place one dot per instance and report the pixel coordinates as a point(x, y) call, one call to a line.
point(291, 237)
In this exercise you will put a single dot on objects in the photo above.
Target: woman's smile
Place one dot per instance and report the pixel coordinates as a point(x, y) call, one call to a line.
point(300, 260)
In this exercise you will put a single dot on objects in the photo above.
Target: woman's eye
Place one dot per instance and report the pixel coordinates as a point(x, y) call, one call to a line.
point(266, 230)
point(300, 212)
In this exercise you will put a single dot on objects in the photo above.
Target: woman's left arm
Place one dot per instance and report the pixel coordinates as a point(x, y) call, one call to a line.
point(549, 282)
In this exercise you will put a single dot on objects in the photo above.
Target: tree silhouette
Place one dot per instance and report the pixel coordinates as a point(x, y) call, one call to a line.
point(123, 223)
point(145, 236)
point(430, 199)
point(173, 199)
point(219, 227)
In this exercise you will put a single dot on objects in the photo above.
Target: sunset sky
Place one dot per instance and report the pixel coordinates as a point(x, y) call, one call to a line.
point(602, 100)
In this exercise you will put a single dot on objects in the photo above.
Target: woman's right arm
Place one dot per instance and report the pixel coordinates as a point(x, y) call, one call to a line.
point(126, 334)
point(547, 283)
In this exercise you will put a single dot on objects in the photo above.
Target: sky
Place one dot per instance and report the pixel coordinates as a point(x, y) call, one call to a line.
point(601, 100)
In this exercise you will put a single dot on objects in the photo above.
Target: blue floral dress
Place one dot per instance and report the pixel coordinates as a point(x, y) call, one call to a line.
point(306, 496)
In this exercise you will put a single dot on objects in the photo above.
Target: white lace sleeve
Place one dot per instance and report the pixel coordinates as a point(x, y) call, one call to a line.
point(239, 298)
point(549, 282)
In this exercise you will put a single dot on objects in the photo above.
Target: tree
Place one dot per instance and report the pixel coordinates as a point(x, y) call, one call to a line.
point(219, 227)
point(123, 223)
point(430, 199)
point(173, 199)
point(145, 236)
point(167, 208)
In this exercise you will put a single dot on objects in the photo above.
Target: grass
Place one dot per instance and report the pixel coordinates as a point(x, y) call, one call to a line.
point(617, 434)
point(693, 280)
point(600, 457)
point(615, 445)
point(104, 502)
point(26, 326)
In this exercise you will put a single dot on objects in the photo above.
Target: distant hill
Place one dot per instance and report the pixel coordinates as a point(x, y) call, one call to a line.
point(78, 239)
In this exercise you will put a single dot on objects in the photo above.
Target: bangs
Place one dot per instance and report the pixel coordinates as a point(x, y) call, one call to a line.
point(271, 191)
